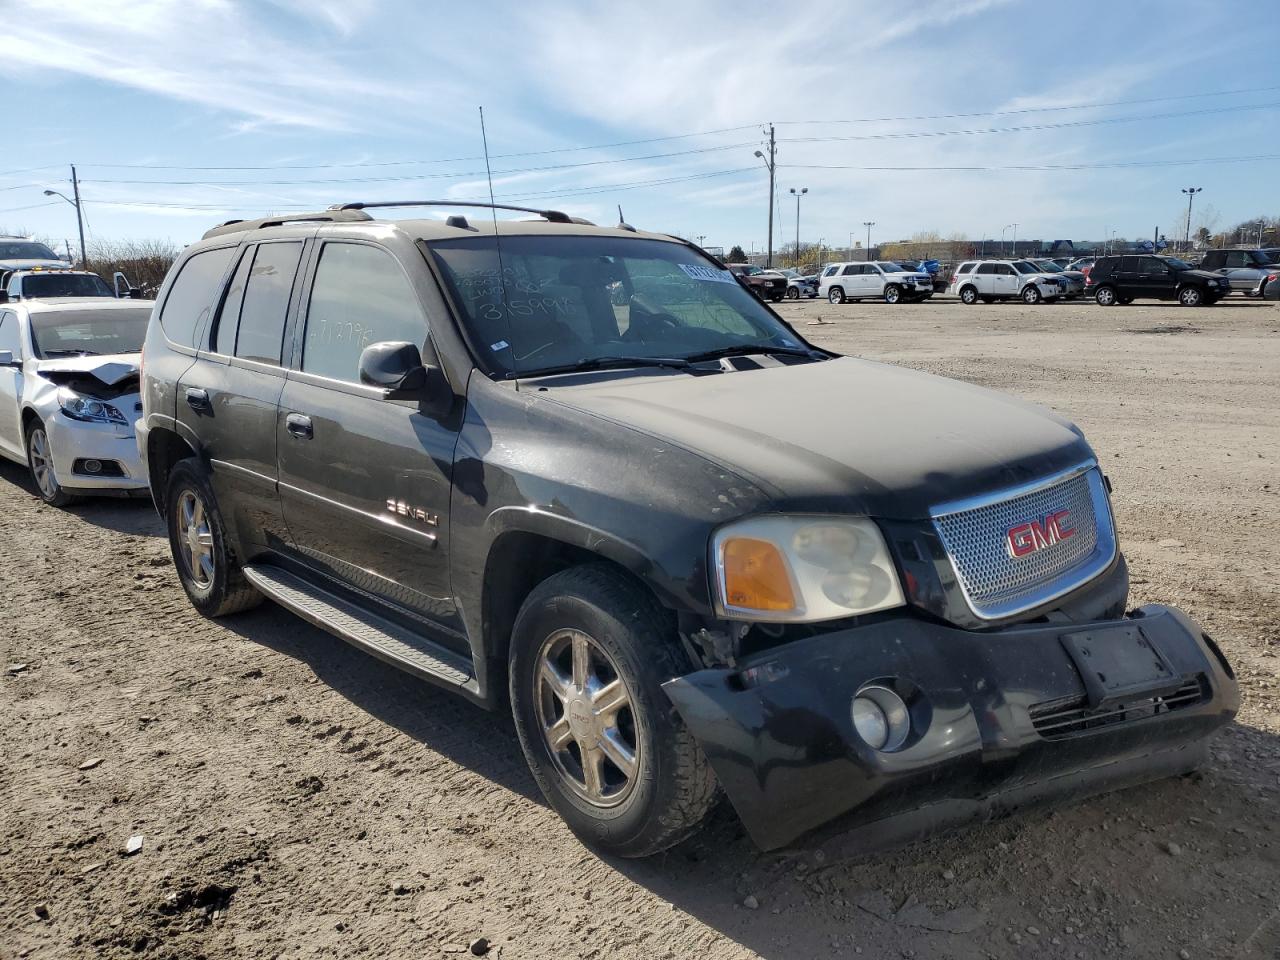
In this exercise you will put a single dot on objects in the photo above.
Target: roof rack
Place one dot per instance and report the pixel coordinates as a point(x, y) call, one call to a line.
point(332, 215)
point(555, 216)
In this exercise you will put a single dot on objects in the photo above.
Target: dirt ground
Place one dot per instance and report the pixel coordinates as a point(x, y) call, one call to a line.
point(297, 799)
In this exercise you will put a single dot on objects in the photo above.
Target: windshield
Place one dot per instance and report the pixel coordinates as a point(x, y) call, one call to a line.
point(561, 301)
point(25, 250)
point(1023, 267)
point(892, 266)
point(1049, 266)
point(65, 285)
point(1177, 264)
point(63, 333)
point(1262, 257)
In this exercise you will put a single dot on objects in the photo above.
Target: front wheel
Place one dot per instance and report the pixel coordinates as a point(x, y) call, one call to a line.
point(893, 293)
point(1105, 297)
point(835, 295)
point(589, 652)
point(208, 570)
point(1031, 294)
point(1190, 296)
point(40, 462)
point(793, 293)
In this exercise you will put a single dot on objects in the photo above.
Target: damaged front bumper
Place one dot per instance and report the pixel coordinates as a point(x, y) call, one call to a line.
point(999, 720)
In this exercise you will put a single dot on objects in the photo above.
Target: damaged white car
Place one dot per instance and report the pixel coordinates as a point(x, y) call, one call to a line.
point(69, 394)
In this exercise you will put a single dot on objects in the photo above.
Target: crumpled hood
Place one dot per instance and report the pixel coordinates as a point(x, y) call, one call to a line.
point(110, 369)
point(842, 435)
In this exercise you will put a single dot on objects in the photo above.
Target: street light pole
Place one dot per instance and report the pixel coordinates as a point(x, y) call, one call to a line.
point(771, 162)
point(1015, 238)
point(1003, 231)
point(866, 255)
point(75, 190)
point(1191, 195)
point(799, 194)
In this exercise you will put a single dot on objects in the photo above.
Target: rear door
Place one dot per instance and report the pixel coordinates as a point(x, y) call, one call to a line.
point(231, 395)
point(1005, 278)
point(11, 440)
point(365, 481)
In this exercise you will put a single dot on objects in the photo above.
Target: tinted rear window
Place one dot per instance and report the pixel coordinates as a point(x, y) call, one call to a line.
point(65, 285)
point(193, 293)
point(25, 250)
point(266, 301)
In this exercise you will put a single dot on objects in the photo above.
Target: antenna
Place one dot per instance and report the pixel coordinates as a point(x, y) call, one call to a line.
point(622, 221)
point(497, 243)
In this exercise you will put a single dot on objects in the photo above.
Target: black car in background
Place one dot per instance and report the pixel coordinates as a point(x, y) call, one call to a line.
point(1132, 277)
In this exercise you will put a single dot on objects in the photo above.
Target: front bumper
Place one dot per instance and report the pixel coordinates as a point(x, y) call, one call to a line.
point(72, 441)
point(779, 733)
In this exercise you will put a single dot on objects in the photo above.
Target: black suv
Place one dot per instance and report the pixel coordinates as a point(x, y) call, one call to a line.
point(688, 550)
point(1132, 277)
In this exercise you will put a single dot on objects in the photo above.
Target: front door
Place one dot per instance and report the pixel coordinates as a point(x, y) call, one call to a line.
point(364, 480)
point(1156, 279)
point(11, 440)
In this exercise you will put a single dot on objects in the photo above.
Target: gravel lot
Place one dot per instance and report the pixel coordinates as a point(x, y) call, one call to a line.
point(296, 799)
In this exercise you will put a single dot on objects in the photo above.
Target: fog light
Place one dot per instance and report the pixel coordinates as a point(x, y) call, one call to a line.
point(881, 718)
point(93, 466)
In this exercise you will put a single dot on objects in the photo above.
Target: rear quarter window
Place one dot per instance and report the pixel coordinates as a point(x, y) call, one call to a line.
point(193, 294)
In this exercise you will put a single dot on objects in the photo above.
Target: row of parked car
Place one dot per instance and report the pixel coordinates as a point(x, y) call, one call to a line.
point(1110, 280)
point(581, 474)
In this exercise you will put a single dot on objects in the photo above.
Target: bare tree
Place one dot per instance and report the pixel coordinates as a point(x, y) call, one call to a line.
point(144, 262)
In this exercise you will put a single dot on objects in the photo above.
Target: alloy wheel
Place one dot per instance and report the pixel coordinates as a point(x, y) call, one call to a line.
point(585, 712)
point(42, 463)
point(196, 538)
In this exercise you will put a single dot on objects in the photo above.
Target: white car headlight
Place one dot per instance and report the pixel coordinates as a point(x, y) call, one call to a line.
point(79, 407)
point(802, 569)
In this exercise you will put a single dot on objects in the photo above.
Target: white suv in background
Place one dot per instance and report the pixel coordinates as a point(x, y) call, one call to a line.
point(991, 280)
point(876, 280)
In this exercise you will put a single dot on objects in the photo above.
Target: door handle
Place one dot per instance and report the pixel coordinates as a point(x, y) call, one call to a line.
point(299, 426)
point(198, 400)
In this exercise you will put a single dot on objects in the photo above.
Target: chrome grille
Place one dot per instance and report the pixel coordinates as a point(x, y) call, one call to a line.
point(998, 584)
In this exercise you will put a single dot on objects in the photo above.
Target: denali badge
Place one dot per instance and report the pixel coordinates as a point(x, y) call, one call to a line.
point(1029, 537)
point(402, 509)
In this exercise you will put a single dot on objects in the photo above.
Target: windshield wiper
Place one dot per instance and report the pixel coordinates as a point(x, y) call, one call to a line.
point(746, 349)
point(604, 363)
point(71, 353)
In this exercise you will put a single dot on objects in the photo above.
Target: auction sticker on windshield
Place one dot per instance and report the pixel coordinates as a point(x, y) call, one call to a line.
point(710, 274)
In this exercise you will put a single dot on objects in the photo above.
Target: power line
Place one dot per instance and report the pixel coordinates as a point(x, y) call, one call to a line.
point(33, 206)
point(1115, 165)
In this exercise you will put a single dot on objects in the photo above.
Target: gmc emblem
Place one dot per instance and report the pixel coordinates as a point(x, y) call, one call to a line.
point(1035, 535)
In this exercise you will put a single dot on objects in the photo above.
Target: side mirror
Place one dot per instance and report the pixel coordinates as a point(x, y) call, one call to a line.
point(6, 359)
point(394, 366)
point(4, 296)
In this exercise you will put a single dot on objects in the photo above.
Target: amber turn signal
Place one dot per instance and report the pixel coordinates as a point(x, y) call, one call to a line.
point(756, 576)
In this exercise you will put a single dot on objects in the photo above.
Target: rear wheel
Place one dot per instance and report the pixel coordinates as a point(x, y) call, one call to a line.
point(835, 295)
point(1105, 297)
point(968, 296)
point(892, 293)
point(1031, 294)
point(208, 570)
point(793, 293)
point(1190, 296)
point(40, 461)
point(589, 652)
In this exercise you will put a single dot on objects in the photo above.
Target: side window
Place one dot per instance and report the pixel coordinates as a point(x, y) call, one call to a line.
point(1152, 267)
point(1005, 270)
point(830, 271)
point(1129, 265)
point(851, 270)
point(10, 339)
point(1237, 258)
point(986, 268)
point(229, 316)
point(266, 301)
point(360, 296)
point(193, 293)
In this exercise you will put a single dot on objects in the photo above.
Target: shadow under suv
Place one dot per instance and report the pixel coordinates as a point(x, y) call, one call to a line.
point(583, 474)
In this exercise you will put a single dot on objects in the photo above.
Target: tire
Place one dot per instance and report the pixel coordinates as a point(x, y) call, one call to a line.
point(632, 641)
point(835, 295)
point(793, 293)
point(893, 293)
point(40, 463)
point(1190, 296)
point(195, 523)
point(1031, 294)
point(777, 298)
point(968, 296)
point(1124, 301)
point(1106, 297)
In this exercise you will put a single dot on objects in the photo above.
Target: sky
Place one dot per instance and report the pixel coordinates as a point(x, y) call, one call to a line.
point(957, 116)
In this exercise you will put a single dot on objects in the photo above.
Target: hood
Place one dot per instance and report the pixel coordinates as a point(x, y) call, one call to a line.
point(28, 264)
point(842, 435)
point(1202, 274)
point(111, 370)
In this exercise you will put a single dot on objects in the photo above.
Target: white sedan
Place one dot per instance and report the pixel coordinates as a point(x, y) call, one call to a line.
point(69, 394)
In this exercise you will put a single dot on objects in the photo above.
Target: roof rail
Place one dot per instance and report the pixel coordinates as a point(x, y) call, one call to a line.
point(331, 215)
point(555, 216)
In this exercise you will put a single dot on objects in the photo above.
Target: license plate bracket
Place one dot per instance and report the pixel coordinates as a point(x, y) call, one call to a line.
point(1119, 664)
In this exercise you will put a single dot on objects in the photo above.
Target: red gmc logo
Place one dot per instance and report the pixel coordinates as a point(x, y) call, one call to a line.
point(1029, 537)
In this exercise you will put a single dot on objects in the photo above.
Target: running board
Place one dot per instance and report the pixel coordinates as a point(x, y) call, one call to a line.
point(348, 621)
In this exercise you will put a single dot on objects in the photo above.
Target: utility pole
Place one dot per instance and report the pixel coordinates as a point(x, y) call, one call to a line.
point(75, 192)
point(866, 254)
point(799, 194)
point(771, 162)
point(1015, 239)
point(1191, 195)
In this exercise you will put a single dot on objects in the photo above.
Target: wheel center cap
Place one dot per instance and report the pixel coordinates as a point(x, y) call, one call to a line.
point(582, 721)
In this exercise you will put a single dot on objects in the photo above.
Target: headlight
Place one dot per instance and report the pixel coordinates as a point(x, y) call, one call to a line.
point(802, 569)
point(88, 409)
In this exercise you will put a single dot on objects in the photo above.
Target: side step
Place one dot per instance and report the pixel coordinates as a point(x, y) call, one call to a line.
point(374, 634)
